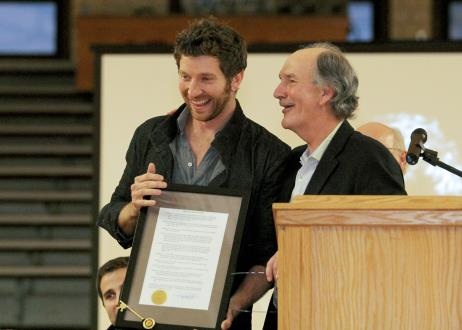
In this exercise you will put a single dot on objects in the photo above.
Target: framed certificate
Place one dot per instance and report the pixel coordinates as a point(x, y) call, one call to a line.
point(184, 251)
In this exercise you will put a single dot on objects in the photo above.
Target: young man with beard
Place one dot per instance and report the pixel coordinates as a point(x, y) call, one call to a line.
point(317, 93)
point(208, 141)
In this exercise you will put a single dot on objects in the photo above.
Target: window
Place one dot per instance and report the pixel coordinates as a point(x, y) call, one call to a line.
point(30, 28)
point(455, 20)
point(361, 20)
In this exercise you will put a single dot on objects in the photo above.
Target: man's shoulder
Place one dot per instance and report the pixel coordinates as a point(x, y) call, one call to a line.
point(362, 149)
point(366, 144)
point(260, 133)
point(167, 122)
point(155, 126)
point(151, 123)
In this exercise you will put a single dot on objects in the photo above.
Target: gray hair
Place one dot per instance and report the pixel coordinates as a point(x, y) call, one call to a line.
point(334, 70)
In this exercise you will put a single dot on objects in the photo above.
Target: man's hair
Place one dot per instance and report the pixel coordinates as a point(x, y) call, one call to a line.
point(109, 267)
point(209, 37)
point(334, 70)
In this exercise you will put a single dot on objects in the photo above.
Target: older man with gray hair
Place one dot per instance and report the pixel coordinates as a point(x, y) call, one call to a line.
point(317, 93)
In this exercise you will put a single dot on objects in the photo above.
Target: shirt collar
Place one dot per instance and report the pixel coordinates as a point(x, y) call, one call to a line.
point(321, 149)
point(181, 120)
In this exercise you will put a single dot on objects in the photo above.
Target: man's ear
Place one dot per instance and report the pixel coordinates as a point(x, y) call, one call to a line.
point(236, 81)
point(402, 161)
point(327, 93)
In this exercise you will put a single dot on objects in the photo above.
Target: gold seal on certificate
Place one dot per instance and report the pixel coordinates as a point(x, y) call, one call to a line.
point(149, 323)
point(159, 297)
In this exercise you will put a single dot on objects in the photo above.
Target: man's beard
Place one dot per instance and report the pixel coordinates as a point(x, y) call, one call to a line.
point(220, 103)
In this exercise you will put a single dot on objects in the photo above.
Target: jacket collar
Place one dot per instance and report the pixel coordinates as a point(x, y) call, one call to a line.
point(329, 160)
point(160, 138)
point(226, 140)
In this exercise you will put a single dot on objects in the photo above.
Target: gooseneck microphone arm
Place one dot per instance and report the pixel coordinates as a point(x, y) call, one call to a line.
point(431, 157)
point(416, 149)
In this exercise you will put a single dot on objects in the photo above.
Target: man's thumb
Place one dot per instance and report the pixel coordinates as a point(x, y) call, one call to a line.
point(151, 168)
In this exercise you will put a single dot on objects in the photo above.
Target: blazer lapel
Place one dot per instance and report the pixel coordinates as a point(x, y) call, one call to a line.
point(160, 140)
point(329, 160)
point(290, 173)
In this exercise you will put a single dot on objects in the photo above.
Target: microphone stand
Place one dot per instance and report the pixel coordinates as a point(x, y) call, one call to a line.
point(431, 157)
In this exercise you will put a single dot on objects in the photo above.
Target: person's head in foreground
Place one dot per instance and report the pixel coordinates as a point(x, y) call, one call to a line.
point(109, 281)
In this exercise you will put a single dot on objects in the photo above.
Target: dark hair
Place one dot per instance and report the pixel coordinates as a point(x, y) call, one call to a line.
point(109, 267)
point(334, 70)
point(209, 37)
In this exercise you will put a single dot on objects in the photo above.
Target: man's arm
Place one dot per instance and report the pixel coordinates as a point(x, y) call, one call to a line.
point(251, 289)
point(119, 217)
point(147, 184)
point(255, 285)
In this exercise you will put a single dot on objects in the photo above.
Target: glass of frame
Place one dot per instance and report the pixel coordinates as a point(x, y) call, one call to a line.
point(184, 251)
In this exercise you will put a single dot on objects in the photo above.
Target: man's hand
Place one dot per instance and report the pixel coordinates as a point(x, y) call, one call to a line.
point(233, 311)
point(147, 184)
point(272, 268)
point(252, 288)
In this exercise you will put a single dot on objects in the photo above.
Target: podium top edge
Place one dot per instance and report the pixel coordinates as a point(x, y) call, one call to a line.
point(372, 202)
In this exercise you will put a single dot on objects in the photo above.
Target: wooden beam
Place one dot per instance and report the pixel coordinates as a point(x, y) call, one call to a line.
point(163, 29)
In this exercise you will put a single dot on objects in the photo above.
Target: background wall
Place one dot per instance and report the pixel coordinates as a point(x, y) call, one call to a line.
point(411, 19)
point(404, 90)
point(402, 19)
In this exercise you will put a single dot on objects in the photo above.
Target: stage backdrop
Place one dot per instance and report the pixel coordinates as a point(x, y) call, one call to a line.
point(404, 90)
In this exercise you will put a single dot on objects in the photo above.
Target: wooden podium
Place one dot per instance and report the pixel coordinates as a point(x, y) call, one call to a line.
point(370, 262)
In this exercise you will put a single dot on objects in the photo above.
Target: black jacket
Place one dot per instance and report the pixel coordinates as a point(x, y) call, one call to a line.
point(353, 164)
point(254, 160)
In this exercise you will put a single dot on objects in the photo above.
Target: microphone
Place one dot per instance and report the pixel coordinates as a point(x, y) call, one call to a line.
point(418, 138)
